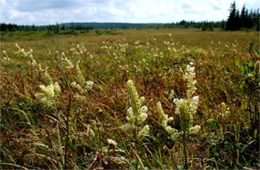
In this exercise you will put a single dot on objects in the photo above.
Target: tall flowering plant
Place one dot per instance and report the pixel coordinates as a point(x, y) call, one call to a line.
point(185, 108)
point(136, 113)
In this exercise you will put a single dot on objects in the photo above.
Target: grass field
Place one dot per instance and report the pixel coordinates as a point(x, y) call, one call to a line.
point(72, 101)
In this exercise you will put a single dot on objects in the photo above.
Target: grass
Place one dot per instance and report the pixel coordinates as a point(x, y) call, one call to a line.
point(34, 135)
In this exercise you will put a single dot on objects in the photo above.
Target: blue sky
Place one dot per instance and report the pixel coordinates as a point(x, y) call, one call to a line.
point(41, 12)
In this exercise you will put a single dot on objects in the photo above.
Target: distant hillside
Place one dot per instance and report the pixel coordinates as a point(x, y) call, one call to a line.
point(95, 25)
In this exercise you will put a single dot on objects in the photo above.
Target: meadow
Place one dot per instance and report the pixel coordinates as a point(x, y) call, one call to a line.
point(130, 99)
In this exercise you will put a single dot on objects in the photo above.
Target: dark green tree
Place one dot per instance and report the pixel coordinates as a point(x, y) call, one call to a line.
point(231, 22)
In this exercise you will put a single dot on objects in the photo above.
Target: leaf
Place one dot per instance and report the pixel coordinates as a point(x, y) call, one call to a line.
point(251, 63)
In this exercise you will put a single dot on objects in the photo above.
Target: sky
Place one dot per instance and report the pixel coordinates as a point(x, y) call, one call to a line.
point(43, 12)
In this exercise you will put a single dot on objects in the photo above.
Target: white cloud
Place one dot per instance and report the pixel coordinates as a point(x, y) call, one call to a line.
point(51, 11)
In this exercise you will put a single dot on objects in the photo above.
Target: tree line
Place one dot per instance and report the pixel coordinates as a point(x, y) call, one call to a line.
point(50, 28)
point(204, 25)
point(243, 19)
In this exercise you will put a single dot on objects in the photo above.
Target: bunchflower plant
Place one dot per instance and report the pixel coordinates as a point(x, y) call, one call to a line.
point(48, 94)
point(136, 113)
point(185, 108)
point(6, 57)
point(224, 111)
point(81, 86)
point(68, 64)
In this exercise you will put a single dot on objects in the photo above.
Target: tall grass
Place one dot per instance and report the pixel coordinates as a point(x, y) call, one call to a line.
point(79, 106)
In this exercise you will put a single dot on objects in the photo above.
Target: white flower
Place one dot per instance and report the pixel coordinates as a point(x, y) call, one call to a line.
point(48, 93)
point(111, 142)
point(57, 89)
point(136, 113)
point(77, 86)
point(144, 109)
point(48, 90)
point(194, 130)
point(224, 111)
point(176, 136)
point(68, 63)
point(81, 78)
point(185, 108)
point(79, 97)
point(189, 76)
point(144, 132)
point(141, 118)
point(170, 130)
point(164, 117)
point(130, 115)
point(171, 95)
point(89, 85)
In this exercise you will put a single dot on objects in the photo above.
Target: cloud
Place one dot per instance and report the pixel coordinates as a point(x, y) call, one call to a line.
point(41, 12)
point(185, 6)
point(39, 5)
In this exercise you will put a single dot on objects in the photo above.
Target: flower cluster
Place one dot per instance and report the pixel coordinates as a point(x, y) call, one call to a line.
point(47, 78)
point(165, 120)
point(68, 64)
point(185, 108)
point(6, 57)
point(189, 76)
point(83, 86)
point(48, 94)
point(79, 49)
point(29, 54)
point(224, 111)
point(87, 86)
point(137, 113)
point(22, 52)
point(80, 76)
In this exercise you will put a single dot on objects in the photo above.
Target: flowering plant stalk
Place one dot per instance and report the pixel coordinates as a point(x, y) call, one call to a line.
point(136, 114)
point(185, 109)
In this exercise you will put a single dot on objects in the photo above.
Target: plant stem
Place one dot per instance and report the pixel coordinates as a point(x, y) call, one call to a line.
point(184, 150)
point(67, 114)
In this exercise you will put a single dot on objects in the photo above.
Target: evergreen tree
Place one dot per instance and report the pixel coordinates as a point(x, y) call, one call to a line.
point(231, 22)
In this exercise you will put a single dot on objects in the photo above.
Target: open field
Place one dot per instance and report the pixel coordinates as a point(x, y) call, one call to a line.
point(67, 102)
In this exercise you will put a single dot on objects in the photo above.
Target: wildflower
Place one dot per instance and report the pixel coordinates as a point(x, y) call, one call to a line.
point(6, 57)
point(185, 108)
point(143, 132)
point(164, 117)
point(111, 142)
point(171, 95)
point(57, 89)
point(224, 111)
point(48, 90)
point(48, 93)
point(80, 76)
point(89, 85)
point(194, 130)
point(83, 86)
point(22, 52)
point(47, 77)
point(33, 63)
point(79, 97)
point(189, 76)
point(170, 130)
point(176, 136)
point(136, 113)
point(68, 63)
point(77, 86)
